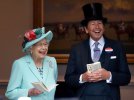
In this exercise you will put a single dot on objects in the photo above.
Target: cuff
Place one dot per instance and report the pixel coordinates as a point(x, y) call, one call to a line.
point(109, 80)
point(80, 79)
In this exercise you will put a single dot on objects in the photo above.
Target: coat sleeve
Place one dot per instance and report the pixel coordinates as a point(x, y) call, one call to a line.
point(71, 76)
point(122, 76)
point(14, 90)
point(56, 70)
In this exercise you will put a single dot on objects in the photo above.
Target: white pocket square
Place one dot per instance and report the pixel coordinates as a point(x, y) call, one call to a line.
point(113, 57)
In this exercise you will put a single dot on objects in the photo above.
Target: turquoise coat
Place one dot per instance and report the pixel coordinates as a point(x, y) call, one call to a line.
point(24, 72)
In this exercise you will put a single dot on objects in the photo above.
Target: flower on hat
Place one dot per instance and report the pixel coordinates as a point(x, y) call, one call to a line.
point(30, 35)
point(33, 34)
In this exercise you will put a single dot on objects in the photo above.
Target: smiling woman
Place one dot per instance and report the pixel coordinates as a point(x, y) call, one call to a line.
point(35, 66)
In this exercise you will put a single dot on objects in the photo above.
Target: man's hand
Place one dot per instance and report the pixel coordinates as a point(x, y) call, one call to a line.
point(104, 73)
point(86, 76)
point(98, 75)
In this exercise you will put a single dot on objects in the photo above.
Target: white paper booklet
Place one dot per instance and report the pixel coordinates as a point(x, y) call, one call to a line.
point(40, 86)
point(94, 66)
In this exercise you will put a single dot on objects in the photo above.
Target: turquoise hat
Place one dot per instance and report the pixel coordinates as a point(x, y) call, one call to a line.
point(33, 36)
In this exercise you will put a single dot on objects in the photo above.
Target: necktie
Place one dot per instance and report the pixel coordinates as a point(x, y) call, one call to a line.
point(96, 55)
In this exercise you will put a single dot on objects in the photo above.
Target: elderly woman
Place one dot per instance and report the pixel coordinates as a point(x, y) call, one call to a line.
point(35, 66)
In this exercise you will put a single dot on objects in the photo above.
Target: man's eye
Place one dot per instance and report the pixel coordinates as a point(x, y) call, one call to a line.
point(100, 23)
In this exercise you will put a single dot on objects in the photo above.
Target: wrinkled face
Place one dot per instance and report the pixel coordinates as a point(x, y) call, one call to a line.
point(40, 49)
point(95, 29)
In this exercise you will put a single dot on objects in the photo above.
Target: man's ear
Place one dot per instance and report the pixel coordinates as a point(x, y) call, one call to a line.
point(86, 30)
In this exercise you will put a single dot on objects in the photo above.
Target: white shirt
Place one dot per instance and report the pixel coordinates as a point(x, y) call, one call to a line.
point(100, 45)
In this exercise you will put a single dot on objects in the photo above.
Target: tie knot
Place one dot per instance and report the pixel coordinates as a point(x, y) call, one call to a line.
point(96, 44)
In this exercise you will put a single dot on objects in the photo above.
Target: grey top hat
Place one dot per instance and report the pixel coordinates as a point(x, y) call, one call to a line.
point(92, 12)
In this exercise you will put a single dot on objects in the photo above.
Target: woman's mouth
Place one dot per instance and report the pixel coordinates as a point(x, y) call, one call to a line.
point(42, 52)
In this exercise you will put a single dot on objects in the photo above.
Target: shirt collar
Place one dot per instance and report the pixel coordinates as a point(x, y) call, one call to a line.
point(101, 41)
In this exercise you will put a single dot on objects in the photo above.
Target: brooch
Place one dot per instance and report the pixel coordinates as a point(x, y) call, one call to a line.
point(50, 64)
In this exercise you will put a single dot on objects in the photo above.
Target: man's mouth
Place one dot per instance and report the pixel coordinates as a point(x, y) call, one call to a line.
point(97, 31)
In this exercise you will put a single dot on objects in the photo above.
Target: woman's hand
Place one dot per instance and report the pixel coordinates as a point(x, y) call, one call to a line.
point(34, 92)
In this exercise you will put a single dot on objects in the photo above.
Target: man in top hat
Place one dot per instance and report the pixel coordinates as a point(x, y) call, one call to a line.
point(103, 83)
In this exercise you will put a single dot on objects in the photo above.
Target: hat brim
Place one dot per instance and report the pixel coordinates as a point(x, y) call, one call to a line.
point(85, 21)
point(48, 36)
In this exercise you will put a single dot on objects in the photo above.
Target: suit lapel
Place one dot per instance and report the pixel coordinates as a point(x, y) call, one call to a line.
point(48, 67)
point(86, 59)
point(32, 67)
point(46, 70)
point(104, 59)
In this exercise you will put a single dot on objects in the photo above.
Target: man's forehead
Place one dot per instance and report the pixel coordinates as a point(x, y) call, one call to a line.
point(95, 21)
